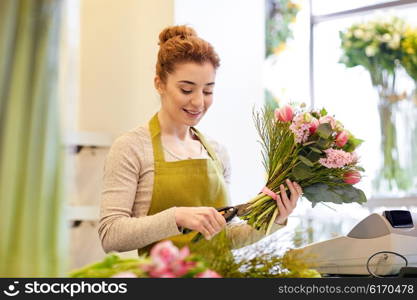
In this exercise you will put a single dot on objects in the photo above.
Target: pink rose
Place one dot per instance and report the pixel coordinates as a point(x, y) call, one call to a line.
point(352, 177)
point(328, 119)
point(164, 253)
point(284, 114)
point(342, 138)
point(313, 125)
point(168, 261)
point(208, 274)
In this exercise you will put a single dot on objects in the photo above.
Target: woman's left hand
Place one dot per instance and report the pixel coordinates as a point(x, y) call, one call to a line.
point(285, 205)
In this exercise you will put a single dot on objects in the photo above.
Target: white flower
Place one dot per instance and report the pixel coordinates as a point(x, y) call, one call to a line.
point(358, 33)
point(386, 37)
point(367, 36)
point(395, 42)
point(371, 50)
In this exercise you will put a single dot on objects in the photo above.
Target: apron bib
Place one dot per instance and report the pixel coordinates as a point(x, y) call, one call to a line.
point(191, 182)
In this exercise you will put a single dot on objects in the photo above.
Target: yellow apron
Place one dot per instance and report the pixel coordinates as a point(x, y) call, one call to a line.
point(192, 182)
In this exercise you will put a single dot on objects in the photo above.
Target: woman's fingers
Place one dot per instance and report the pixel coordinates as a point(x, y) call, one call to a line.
point(298, 188)
point(284, 197)
point(281, 207)
point(291, 187)
point(219, 219)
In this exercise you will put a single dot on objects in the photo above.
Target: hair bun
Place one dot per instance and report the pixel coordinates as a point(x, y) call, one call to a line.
point(174, 31)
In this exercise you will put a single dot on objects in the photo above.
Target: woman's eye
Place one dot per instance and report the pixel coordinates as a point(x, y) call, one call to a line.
point(208, 93)
point(186, 91)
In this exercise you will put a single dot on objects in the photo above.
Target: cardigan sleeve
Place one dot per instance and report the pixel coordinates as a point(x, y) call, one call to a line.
point(118, 229)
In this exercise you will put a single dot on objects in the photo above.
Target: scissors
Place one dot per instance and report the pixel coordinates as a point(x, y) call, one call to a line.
point(228, 213)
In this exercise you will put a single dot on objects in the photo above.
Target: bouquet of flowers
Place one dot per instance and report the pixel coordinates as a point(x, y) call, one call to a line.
point(165, 261)
point(311, 148)
point(375, 45)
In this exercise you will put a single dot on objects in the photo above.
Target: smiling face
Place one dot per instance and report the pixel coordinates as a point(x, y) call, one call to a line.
point(187, 93)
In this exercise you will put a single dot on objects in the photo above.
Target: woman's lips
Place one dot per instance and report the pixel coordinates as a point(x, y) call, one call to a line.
point(192, 114)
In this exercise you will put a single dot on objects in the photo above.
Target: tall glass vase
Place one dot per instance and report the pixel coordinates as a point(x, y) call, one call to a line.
point(407, 139)
point(397, 173)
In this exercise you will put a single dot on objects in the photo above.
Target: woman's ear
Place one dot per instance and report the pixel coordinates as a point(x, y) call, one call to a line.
point(158, 84)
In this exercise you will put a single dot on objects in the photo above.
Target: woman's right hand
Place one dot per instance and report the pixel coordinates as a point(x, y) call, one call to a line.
point(206, 220)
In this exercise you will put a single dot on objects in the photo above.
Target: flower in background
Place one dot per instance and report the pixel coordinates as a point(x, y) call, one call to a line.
point(352, 177)
point(168, 261)
point(208, 274)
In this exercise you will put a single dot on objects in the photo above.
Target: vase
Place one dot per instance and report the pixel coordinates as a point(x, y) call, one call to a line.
point(397, 172)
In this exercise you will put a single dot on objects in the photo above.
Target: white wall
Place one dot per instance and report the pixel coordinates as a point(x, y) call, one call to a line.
point(236, 29)
point(118, 54)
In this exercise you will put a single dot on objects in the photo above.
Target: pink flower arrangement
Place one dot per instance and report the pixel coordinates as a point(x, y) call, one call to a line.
point(336, 158)
point(311, 148)
point(170, 262)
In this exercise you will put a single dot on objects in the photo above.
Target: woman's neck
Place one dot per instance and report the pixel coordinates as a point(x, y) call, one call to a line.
point(171, 128)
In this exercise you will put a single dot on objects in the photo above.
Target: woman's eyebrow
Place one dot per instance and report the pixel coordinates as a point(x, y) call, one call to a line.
point(193, 83)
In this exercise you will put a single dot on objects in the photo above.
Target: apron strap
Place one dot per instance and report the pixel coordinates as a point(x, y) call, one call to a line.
point(155, 131)
point(209, 149)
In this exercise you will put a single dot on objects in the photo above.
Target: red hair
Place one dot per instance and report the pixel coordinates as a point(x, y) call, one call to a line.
point(180, 44)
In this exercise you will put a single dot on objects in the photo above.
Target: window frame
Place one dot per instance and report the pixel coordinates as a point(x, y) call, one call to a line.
point(373, 202)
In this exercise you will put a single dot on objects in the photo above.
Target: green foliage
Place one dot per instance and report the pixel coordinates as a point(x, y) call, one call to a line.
point(280, 14)
point(324, 131)
point(111, 265)
point(321, 192)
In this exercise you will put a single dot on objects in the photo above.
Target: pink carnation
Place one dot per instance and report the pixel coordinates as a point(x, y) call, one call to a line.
point(301, 129)
point(168, 261)
point(336, 158)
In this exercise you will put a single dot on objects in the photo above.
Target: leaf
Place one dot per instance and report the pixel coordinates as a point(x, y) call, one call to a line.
point(324, 130)
point(352, 144)
point(323, 143)
point(313, 156)
point(301, 171)
point(306, 161)
point(309, 143)
point(323, 112)
point(314, 149)
point(320, 192)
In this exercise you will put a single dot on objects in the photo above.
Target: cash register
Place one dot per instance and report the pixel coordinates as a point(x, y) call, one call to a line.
point(379, 245)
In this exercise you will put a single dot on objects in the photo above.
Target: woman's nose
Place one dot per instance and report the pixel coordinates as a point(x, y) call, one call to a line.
point(198, 100)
